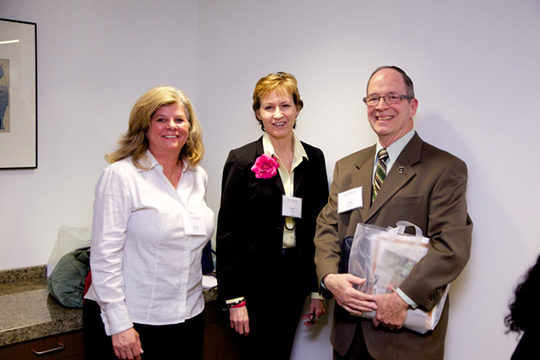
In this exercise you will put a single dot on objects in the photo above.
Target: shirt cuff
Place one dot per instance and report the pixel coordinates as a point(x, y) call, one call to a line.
point(317, 296)
point(116, 320)
point(235, 300)
point(407, 299)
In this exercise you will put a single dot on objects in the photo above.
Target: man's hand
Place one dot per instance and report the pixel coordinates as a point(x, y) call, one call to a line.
point(391, 311)
point(316, 310)
point(352, 300)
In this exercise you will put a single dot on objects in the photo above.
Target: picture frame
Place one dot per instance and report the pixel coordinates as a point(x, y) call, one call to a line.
point(18, 95)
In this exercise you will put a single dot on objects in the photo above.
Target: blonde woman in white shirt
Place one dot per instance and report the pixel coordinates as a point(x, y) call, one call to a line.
point(150, 224)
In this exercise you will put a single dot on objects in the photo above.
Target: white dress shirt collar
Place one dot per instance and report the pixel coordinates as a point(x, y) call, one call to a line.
point(394, 150)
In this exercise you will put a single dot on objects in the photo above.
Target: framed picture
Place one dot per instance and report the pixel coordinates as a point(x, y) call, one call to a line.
point(18, 95)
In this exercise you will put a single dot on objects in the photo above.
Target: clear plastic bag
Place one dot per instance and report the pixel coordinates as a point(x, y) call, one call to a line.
point(69, 239)
point(385, 257)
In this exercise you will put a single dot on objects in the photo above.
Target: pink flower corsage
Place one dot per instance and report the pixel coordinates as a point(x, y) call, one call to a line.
point(265, 167)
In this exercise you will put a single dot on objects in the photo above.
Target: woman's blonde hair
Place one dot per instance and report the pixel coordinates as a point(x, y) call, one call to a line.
point(135, 143)
point(280, 81)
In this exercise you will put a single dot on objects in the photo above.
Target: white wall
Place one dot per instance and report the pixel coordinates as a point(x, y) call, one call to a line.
point(475, 67)
point(95, 58)
point(474, 64)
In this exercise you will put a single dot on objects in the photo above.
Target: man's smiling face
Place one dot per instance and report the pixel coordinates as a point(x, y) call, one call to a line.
point(390, 122)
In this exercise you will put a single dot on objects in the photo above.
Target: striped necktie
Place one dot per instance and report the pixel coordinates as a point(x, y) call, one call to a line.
point(380, 173)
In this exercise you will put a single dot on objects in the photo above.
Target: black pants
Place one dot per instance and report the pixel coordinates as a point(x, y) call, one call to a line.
point(274, 308)
point(177, 341)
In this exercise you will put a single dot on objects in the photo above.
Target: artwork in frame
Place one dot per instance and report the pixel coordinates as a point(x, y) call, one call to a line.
point(18, 95)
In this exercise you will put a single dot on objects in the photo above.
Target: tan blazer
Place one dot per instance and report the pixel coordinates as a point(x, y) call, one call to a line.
point(427, 187)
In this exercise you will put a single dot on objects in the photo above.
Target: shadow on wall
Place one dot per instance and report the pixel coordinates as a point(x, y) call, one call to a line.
point(494, 229)
point(314, 343)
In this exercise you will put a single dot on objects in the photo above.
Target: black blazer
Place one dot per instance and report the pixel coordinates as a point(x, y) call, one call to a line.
point(250, 224)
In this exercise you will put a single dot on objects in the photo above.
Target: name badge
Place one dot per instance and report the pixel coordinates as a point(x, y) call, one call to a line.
point(194, 224)
point(350, 199)
point(291, 207)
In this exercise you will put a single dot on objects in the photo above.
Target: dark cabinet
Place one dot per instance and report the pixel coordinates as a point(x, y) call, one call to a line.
point(219, 341)
point(65, 346)
point(219, 338)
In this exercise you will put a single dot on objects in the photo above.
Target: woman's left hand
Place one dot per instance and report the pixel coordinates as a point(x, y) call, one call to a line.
point(316, 310)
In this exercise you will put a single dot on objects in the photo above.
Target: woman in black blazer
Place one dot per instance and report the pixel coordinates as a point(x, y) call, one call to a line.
point(272, 192)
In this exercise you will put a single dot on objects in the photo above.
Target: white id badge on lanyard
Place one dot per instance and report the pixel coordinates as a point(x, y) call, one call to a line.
point(194, 224)
point(291, 207)
point(350, 199)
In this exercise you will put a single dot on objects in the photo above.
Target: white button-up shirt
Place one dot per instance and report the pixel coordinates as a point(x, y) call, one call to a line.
point(145, 268)
point(287, 179)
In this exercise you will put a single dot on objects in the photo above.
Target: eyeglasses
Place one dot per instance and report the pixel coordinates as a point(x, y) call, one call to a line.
point(390, 99)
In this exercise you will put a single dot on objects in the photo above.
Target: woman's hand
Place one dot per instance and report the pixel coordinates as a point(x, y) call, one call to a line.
point(126, 344)
point(239, 320)
point(316, 310)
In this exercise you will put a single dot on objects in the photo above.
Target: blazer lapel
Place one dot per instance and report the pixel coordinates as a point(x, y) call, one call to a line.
point(279, 183)
point(400, 174)
point(362, 177)
point(299, 174)
point(276, 179)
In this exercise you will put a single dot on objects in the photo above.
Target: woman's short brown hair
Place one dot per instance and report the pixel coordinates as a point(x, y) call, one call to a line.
point(135, 143)
point(280, 81)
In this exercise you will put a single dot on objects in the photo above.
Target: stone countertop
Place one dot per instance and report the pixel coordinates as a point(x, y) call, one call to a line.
point(28, 312)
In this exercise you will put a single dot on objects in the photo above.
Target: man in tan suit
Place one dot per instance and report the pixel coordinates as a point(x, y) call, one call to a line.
point(425, 186)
